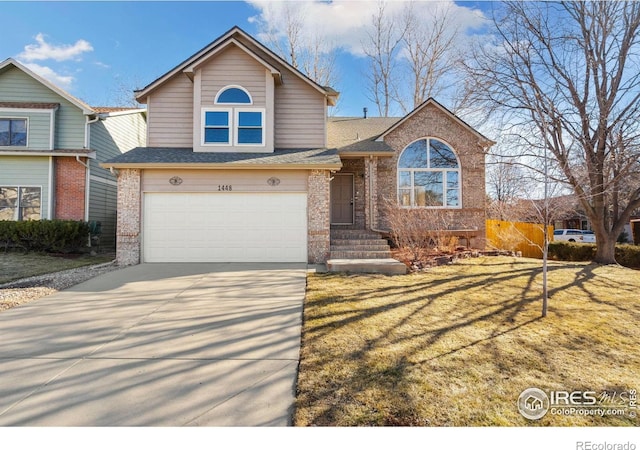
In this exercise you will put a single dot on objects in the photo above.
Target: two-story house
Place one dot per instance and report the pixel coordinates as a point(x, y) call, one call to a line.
point(242, 164)
point(51, 145)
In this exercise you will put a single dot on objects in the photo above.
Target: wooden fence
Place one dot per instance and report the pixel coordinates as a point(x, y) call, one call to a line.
point(524, 237)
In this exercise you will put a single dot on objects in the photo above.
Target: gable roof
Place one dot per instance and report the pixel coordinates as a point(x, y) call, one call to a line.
point(484, 141)
point(86, 109)
point(358, 135)
point(246, 43)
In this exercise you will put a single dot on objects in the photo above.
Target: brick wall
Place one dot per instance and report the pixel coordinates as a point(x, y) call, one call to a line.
point(70, 188)
point(128, 221)
point(318, 216)
point(432, 122)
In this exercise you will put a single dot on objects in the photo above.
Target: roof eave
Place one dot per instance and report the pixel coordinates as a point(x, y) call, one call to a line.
point(223, 166)
point(357, 154)
point(105, 115)
point(90, 154)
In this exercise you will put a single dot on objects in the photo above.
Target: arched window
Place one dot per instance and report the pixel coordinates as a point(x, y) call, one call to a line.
point(429, 175)
point(233, 121)
point(233, 94)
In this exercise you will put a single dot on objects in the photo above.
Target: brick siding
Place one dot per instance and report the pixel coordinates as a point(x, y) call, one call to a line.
point(128, 222)
point(70, 188)
point(318, 219)
point(428, 122)
point(432, 122)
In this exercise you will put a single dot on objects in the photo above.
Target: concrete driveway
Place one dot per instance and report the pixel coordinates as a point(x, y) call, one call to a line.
point(157, 345)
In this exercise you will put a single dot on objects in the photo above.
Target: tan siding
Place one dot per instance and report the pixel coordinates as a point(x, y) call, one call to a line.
point(170, 118)
point(300, 115)
point(239, 180)
point(233, 66)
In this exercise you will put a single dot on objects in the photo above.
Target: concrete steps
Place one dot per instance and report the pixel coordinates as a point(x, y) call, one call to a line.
point(388, 266)
point(362, 251)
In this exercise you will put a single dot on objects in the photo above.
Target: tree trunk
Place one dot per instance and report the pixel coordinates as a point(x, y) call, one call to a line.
point(605, 250)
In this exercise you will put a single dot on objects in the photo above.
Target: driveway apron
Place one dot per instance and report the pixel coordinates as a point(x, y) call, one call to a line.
point(157, 345)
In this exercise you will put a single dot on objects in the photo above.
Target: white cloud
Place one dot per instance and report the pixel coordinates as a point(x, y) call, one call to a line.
point(44, 51)
point(49, 74)
point(344, 23)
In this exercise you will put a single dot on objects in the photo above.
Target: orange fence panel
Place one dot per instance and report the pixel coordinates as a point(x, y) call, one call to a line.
point(524, 237)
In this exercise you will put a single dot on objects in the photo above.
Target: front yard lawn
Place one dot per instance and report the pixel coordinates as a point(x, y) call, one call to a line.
point(14, 265)
point(456, 346)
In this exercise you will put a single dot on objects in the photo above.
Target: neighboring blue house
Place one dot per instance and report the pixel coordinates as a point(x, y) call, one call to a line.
point(51, 145)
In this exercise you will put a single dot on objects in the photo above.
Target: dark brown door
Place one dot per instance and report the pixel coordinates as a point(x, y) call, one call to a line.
point(342, 199)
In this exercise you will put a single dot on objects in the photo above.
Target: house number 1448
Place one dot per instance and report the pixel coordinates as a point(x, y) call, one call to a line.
point(224, 187)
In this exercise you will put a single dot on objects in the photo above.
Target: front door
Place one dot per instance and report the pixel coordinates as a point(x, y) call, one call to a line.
point(342, 199)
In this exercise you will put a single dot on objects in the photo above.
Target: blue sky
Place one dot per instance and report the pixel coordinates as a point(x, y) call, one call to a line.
point(98, 51)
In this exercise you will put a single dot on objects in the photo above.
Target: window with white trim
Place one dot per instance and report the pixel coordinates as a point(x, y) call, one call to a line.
point(236, 123)
point(20, 203)
point(217, 126)
point(429, 175)
point(13, 132)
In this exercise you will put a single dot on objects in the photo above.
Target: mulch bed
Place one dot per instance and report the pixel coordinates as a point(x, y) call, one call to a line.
point(433, 258)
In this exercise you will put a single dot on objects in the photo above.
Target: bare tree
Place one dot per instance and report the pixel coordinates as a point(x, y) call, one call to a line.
point(566, 77)
point(429, 55)
point(505, 180)
point(384, 40)
point(287, 34)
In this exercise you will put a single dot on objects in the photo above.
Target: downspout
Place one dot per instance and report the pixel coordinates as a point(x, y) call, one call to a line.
point(87, 129)
point(87, 142)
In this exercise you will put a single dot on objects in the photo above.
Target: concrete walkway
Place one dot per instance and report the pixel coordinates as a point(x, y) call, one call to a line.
point(157, 345)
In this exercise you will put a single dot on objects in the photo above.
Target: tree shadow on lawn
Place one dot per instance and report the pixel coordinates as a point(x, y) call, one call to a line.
point(432, 290)
point(435, 324)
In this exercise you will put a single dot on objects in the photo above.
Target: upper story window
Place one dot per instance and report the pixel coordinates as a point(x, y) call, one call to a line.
point(236, 123)
point(13, 132)
point(233, 95)
point(429, 175)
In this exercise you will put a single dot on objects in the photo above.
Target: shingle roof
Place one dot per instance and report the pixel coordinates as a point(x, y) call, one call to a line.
point(161, 156)
point(110, 109)
point(357, 134)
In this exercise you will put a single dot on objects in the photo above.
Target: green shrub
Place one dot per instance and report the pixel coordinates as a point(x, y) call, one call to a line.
point(58, 236)
point(571, 251)
point(626, 255)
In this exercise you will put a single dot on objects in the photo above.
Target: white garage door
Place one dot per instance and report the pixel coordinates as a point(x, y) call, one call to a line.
point(225, 227)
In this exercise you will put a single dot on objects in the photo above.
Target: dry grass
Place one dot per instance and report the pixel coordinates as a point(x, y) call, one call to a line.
point(457, 345)
point(14, 266)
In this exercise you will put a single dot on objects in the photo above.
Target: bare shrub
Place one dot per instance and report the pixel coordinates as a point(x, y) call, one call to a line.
point(421, 232)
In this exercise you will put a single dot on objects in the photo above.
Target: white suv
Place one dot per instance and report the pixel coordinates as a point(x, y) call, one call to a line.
point(574, 235)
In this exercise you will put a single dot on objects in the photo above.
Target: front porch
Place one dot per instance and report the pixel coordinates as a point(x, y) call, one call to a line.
point(361, 251)
point(356, 245)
